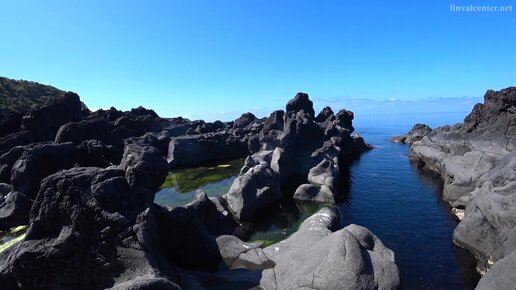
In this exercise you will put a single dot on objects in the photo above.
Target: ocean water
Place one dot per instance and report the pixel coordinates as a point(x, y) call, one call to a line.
point(403, 207)
point(383, 192)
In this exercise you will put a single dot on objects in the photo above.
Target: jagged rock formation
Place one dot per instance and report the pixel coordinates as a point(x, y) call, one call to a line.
point(85, 182)
point(477, 161)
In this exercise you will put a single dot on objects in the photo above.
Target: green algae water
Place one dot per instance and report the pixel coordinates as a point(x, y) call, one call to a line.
point(180, 185)
point(282, 221)
point(10, 238)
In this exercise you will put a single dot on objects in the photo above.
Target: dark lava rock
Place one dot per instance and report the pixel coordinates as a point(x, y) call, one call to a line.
point(244, 120)
point(14, 211)
point(77, 132)
point(415, 134)
point(300, 102)
point(44, 121)
point(200, 149)
point(81, 233)
point(15, 139)
point(94, 153)
point(39, 162)
point(9, 123)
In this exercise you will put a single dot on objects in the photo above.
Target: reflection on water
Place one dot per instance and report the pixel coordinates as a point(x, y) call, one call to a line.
point(180, 185)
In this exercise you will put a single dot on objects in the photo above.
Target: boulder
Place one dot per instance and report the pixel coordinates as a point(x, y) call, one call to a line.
point(39, 162)
point(415, 134)
point(315, 257)
point(325, 173)
point(186, 151)
point(256, 188)
point(300, 102)
point(94, 153)
point(44, 121)
point(245, 120)
point(238, 254)
point(15, 139)
point(501, 275)
point(145, 170)
point(10, 122)
point(310, 192)
point(77, 132)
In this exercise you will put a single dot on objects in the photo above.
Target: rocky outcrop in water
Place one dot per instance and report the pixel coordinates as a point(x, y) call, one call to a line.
point(477, 162)
point(85, 186)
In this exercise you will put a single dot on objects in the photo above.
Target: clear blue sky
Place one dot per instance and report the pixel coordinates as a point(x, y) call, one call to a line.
point(221, 58)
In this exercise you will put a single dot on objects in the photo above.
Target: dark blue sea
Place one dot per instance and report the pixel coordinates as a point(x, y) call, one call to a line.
point(403, 206)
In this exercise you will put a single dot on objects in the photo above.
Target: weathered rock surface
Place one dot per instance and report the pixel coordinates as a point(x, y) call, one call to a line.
point(317, 256)
point(304, 148)
point(501, 275)
point(477, 162)
point(81, 234)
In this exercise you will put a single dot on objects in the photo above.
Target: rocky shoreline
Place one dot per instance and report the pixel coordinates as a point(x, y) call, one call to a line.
point(84, 183)
point(477, 162)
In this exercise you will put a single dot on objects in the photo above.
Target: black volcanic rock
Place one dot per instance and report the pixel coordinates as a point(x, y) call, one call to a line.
point(14, 211)
point(244, 120)
point(39, 162)
point(44, 121)
point(415, 134)
point(85, 183)
point(16, 139)
point(88, 215)
point(303, 148)
point(77, 132)
point(300, 102)
point(10, 122)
